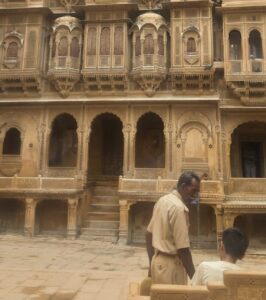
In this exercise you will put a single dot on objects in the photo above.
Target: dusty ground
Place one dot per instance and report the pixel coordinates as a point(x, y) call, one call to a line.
point(58, 269)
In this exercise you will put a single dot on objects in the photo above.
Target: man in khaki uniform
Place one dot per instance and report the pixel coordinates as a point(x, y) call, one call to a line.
point(167, 236)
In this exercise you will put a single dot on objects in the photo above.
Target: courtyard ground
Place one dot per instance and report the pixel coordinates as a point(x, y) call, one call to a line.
point(45, 268)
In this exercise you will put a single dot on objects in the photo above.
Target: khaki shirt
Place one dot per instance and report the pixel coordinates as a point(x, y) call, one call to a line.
point(169, 224)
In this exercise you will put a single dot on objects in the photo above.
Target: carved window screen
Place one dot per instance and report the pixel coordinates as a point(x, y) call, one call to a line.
point(92, 41)
point(12, 50)
point(160, 45)
point(74, 47)
point(191, 45)
point(31, 48)
point(148, 44)
point(235, 47)
point(63, 47)
point(105, 41)
point(255, 45)
point(137, 47)
point(118, 40)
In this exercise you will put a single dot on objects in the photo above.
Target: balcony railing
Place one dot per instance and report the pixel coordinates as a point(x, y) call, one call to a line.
point(256, 66)
point(209, 189)
point(254, 186)
point(40, 183)
point(236, 66)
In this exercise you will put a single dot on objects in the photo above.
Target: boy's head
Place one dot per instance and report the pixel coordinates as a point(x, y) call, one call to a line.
point(234, 244)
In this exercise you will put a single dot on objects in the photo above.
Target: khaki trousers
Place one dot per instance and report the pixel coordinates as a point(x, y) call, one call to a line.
point(166, 269)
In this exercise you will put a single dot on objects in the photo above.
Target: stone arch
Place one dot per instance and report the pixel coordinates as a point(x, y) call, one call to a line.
point(63, 141)
point(248, 150)
point(150, 141)
point(235, 44)
point(12, 142)
point(30, 129)
point(194, 138)
point(12, 215)
point(51, 217)
point(106, 146)
point(255, 44)
point(195, 117)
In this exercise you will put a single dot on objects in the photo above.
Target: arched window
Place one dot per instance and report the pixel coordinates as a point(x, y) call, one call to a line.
point(138, 46)
point(63, 142)
point(74, 47)
point(148, 44)
point(105, 41)
point(12, 142)
point(235, 47)
point(150, 142)
point(63, 47)
point(12, 50)
point(191, 45)
point(118, 43)
point(160, 45)
point(255, 45)
point(92, 41)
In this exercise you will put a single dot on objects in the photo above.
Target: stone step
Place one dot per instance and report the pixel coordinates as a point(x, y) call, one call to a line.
point(99, 234)
point(99, 207)
point(99, 231)
point(105, 199)
point(101, 224)
point(105, 191)
point(107, 216)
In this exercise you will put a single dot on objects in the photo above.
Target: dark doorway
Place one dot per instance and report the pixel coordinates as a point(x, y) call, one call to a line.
point(12, 216)
point(51, 217)
point(106, 146)
point(251, 159)
point(150, 143)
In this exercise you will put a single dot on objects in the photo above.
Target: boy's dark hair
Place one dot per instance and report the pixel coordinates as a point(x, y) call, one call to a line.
point(235, 242)
point(186, 178)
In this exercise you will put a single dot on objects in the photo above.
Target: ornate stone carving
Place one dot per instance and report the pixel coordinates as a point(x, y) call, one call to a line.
point(65, 54)
point(149, 52)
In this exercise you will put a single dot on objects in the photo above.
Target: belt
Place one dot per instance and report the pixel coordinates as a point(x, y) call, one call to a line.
point(167, 254)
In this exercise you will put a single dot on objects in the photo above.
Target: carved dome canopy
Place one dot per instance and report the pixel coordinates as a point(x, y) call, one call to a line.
point(150, 18)
point(67, 21)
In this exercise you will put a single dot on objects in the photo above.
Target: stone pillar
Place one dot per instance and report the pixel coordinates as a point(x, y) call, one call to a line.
point(126, 133)
point(132, 146)
point(29, 226)
point(219, 223)
point(80, 134)
point(45, 155)
point(72, 229)
point(85, 153)
point(229, 219)
point(123, 225)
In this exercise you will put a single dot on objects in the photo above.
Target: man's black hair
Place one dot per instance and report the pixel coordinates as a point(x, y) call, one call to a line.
point(235, 242)
point(186, 178)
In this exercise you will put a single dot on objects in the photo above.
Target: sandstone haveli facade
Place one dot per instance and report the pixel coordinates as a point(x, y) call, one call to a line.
point(105, 103)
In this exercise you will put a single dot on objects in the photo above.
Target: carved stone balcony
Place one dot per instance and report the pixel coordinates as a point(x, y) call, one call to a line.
point(211, 191)
point(40, 185)
point(149, 52)
point(247, 186)
point(20, 81)
point(65, 54)
point(64, 73)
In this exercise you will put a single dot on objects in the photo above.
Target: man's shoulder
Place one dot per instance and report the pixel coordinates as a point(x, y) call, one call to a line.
point(171, 202)
point(219, 264)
